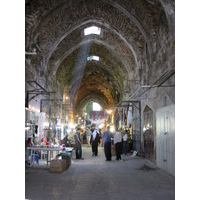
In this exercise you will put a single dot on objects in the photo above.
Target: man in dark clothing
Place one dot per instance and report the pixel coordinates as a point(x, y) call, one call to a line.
point(78, 148)
point(107, 135)
point(64, 141)
point(94, 141)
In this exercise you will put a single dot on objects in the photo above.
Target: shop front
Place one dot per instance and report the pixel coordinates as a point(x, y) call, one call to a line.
point(43, 143)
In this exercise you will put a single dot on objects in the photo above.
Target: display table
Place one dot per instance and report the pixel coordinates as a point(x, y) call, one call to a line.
point(51, 149)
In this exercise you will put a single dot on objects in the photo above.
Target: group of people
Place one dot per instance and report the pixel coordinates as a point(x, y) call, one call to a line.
point(93, 139)
point(108, 136)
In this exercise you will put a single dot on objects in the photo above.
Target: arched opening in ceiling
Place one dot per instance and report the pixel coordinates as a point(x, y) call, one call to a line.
point(92, 30)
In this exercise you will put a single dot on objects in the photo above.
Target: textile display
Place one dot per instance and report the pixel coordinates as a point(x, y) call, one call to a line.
point(94, 115)
point(101, 114)
point(122, 116)
point(90, 115)
point(116, 118)
point(129, 118)
point(125, 119)
point(105, 114)
point(41, 125)
point(97, 115)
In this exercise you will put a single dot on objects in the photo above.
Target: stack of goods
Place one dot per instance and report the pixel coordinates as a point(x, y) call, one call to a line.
point(57, 165)
point(67, 157)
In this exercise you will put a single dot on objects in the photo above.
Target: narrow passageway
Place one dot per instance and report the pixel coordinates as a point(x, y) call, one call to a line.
point(94, 178)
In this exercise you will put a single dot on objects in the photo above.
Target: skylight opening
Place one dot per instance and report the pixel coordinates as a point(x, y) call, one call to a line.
point(92, 30)
point(93, 58)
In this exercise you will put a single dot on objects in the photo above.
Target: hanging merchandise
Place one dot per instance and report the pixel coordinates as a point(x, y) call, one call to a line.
point(112, 119)
point(67, 118)
point(101, 114)
point(36, 129)
point(119, 114)
point(122, 117)
point(116, 118)
point(109, 119)
point(105, 115)
point(96, 115)
point(125, 116)
point(93, 115)
point(129, 118)
point(41, 125)
point(90, 115)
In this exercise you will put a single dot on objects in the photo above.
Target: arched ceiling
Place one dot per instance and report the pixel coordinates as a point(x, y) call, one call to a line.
point(129, 28)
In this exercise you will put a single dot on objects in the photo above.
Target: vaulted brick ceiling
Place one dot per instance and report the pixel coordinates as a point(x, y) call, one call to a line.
point(129, 27)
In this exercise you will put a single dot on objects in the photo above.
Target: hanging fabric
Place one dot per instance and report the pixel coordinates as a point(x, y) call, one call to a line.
point(90, 115)
point(119, 114)
point(129, 118)
point(122, 116)
point(105, 115)
point(93, 115)
point(125, 116)
point(116, 118)
point(101, 114)
point(96, 115)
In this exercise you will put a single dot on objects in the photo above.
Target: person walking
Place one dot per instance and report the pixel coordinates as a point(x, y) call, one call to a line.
point(125, 137)
point(95, 141)
point(78, 148)
point(118, 144)
point(107, 135)
point(89, 133)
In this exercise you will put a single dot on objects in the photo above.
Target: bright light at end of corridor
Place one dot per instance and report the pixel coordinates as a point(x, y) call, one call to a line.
point(112, 129)
point(109, 111)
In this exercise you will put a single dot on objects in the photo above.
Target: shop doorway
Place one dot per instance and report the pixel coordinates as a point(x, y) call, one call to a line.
point(148, 134)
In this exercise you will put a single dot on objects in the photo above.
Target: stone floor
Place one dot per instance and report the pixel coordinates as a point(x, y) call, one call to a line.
point(94, 178)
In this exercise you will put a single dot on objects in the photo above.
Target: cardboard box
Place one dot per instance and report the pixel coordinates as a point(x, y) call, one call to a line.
point(65, 156)
point(57, 165)
point(67, 160)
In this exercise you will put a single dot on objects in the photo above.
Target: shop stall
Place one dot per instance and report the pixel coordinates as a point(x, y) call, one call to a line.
point(33, 149)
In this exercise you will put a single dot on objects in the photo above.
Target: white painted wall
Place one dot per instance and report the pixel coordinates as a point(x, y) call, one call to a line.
point(165, 138)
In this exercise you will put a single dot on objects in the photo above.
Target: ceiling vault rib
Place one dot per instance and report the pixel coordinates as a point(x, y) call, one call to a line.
point(133, 19)
point(82, 24)
point(85, 43)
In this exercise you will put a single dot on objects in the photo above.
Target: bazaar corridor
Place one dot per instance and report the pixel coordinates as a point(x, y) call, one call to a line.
point(100, 63)
point(94, 178)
